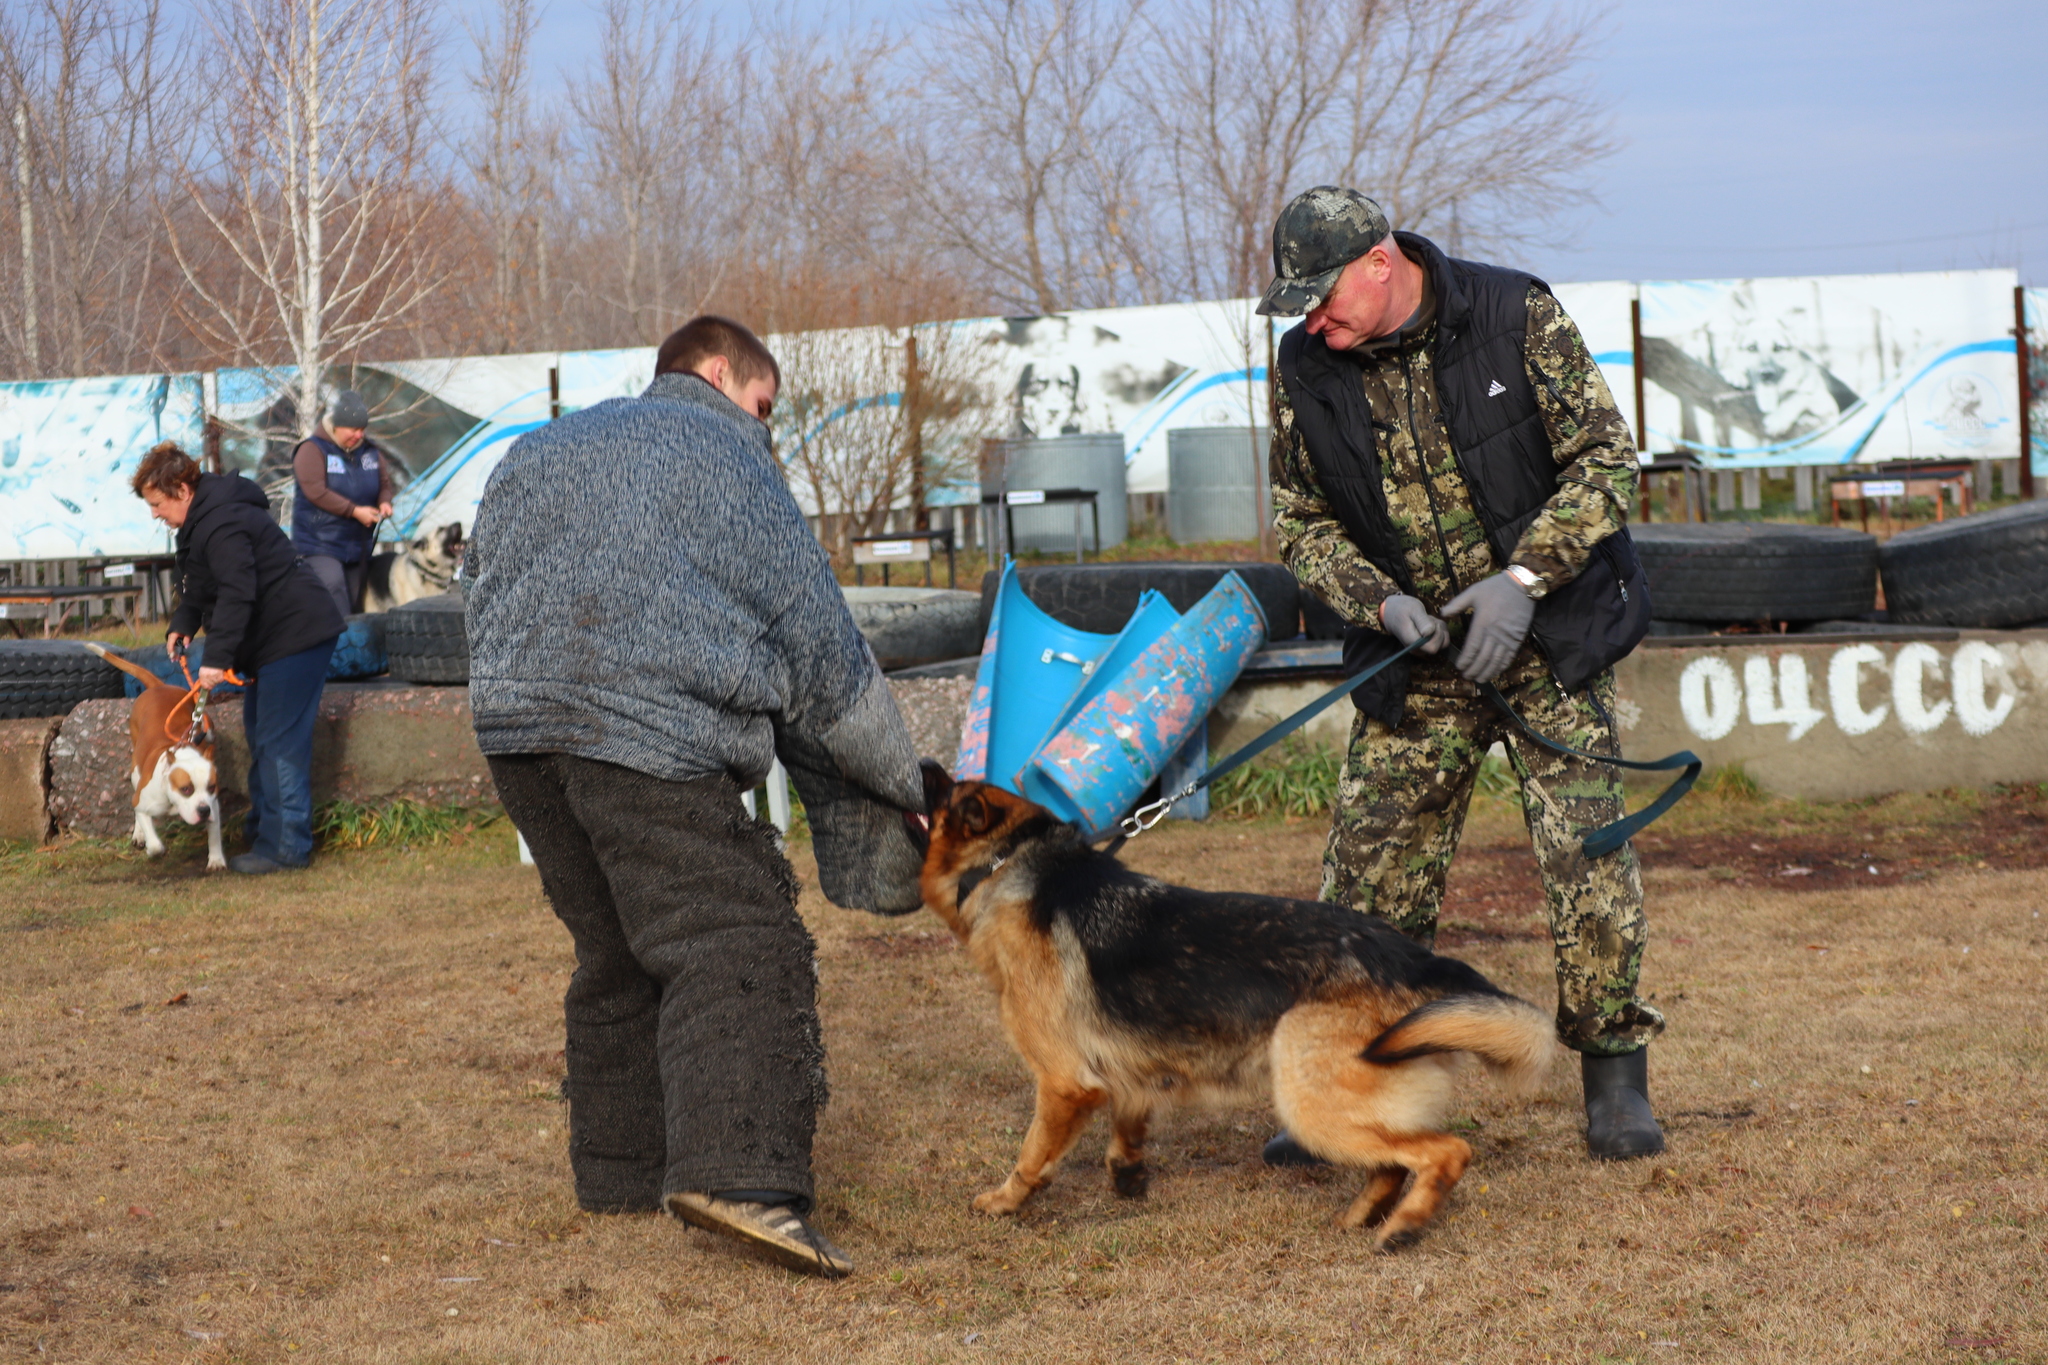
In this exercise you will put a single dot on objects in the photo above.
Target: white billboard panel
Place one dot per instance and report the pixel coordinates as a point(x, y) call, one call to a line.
point(67, 450)
point(1832, 369)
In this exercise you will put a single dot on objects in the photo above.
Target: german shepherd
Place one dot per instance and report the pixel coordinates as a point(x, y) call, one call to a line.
point(1119, 989)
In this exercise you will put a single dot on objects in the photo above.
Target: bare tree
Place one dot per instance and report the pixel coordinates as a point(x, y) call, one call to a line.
point(861, 435)
point(652, 130)
point(509, 155)
point(1007, 165)
point(1454, 114)
point(306, 224)
point(83, 82)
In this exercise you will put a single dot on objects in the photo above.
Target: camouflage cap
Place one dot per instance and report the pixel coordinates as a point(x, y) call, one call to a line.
point(1319, 233)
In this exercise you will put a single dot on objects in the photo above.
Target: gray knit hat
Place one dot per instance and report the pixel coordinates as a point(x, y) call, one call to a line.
point(348, 410)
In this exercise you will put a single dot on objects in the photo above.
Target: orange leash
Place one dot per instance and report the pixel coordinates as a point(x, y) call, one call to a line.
point(197, 698)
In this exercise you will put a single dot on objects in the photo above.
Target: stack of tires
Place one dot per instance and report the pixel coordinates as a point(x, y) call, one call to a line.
point(426, 642)
point(49, 677)
point(1988, 571)
point(1706, 576)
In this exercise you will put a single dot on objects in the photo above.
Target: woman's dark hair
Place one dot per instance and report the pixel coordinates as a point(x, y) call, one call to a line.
point(167, 469)
point(697, 340)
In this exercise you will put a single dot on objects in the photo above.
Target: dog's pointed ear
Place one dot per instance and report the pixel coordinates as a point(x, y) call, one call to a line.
point(938, 784)
point(974, 812)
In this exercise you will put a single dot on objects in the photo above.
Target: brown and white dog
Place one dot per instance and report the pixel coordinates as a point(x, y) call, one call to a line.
point(1121, 990)
point(425, 568)
point(172, 774)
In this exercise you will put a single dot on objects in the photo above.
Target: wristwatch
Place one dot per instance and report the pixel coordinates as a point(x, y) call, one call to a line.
point(1532, 582)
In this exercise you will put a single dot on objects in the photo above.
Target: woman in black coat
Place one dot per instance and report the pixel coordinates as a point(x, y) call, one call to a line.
point(267, 618)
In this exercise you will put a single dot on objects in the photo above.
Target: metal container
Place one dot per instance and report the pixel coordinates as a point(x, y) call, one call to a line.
point(1210, 491)
point(1091, 462)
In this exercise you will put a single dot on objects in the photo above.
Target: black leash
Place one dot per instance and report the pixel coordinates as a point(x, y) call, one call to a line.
point(1146, 816)
point(1596, 844)
point(1608, 838)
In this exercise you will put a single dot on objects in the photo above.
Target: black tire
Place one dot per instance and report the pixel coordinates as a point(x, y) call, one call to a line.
point(427, 641)
point(1986, 571)
point(1101, 597)
point(1756, 571)
point(49, 677)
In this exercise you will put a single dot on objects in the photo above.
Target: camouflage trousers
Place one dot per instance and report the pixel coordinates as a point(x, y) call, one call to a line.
point(1401, 806)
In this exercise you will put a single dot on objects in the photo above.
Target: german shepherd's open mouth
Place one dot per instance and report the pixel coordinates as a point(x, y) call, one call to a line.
point(1120, 990)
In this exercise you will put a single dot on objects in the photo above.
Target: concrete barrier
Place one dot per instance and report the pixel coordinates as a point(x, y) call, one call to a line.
point(373, 742)
point(1845, 717)
point(25, 779)
point(1827, 718)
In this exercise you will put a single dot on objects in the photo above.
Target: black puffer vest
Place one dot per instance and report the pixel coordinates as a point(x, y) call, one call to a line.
point(1503, 452)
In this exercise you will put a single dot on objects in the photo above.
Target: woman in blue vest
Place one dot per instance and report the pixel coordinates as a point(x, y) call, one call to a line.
point(344, 490)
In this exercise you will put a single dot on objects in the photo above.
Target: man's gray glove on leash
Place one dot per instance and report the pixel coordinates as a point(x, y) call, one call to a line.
point(1407, 620)
point(1501, 612)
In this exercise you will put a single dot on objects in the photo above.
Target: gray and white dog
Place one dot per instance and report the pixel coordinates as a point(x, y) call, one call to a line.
point(425, 568)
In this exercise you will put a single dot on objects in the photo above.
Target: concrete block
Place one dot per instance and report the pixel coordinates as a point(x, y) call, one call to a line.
point(1843, 718)
point(372, 743)
point(25, 779)
point(933, 708)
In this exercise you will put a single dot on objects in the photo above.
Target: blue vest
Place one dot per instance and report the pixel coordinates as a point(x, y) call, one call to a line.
point(356, 475)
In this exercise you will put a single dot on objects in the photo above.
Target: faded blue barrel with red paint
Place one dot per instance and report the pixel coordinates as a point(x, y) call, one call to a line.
point(1036, 672)
point(1094, 768)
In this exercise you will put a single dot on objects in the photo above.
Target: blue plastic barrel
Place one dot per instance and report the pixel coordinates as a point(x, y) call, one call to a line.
point(1036, 673)
point(1098, 763)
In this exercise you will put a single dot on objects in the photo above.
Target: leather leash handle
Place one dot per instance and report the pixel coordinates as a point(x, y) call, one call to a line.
point(1606, 839)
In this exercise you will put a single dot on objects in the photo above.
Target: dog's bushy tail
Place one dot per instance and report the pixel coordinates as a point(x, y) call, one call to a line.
point(1516, 1040)
point(127, 666)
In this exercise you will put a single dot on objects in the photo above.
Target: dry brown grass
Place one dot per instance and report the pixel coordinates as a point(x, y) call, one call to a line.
point(343, 1142)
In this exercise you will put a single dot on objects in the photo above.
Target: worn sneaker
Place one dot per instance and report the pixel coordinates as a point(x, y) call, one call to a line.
point(777, 1229)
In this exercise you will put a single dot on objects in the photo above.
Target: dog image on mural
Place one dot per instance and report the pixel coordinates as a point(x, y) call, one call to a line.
point(1123, 991)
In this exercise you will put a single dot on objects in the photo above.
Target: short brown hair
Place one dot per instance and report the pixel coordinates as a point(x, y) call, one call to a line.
point(167, 468)
point(697, 340)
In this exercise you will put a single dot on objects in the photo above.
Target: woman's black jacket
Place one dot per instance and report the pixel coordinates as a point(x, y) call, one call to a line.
point(239, 577)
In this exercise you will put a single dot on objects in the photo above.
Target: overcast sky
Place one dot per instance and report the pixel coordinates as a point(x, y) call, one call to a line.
point(1774, 137)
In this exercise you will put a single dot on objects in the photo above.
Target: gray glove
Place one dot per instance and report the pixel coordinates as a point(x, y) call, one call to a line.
point(1501, 611)
point(1407, 620)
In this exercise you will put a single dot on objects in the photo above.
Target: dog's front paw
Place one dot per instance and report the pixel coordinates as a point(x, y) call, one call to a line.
point(1387, 1243)
point(1000, 1201)
point(1131, 1180)
point(153, 850)
point(216, 864)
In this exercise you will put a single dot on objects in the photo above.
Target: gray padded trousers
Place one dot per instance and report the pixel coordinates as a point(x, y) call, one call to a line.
point(693, 1049)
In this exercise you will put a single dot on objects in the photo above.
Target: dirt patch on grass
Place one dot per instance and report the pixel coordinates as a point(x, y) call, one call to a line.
point(347, 1141)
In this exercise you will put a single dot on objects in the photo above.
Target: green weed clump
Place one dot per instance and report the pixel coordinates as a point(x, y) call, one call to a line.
point(1732, 783)
point(352, 824)
point(1300, 779)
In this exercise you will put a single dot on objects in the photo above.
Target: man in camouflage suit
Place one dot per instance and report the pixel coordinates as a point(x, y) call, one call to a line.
point(1443, 444)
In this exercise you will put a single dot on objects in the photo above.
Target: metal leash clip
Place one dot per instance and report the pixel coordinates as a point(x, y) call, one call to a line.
point(1144, 817)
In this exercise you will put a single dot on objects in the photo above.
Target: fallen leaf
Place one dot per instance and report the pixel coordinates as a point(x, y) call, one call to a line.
point(137, 1211)
point(181, 998)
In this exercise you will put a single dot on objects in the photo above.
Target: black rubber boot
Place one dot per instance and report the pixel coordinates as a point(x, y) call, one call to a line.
point(1282, 1150)
point(1619, 1125)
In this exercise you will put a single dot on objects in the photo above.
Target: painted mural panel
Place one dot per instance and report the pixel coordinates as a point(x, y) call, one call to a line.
point(67, 450)
point(439, 419)
point(1834, 369)
point(1601, 310)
